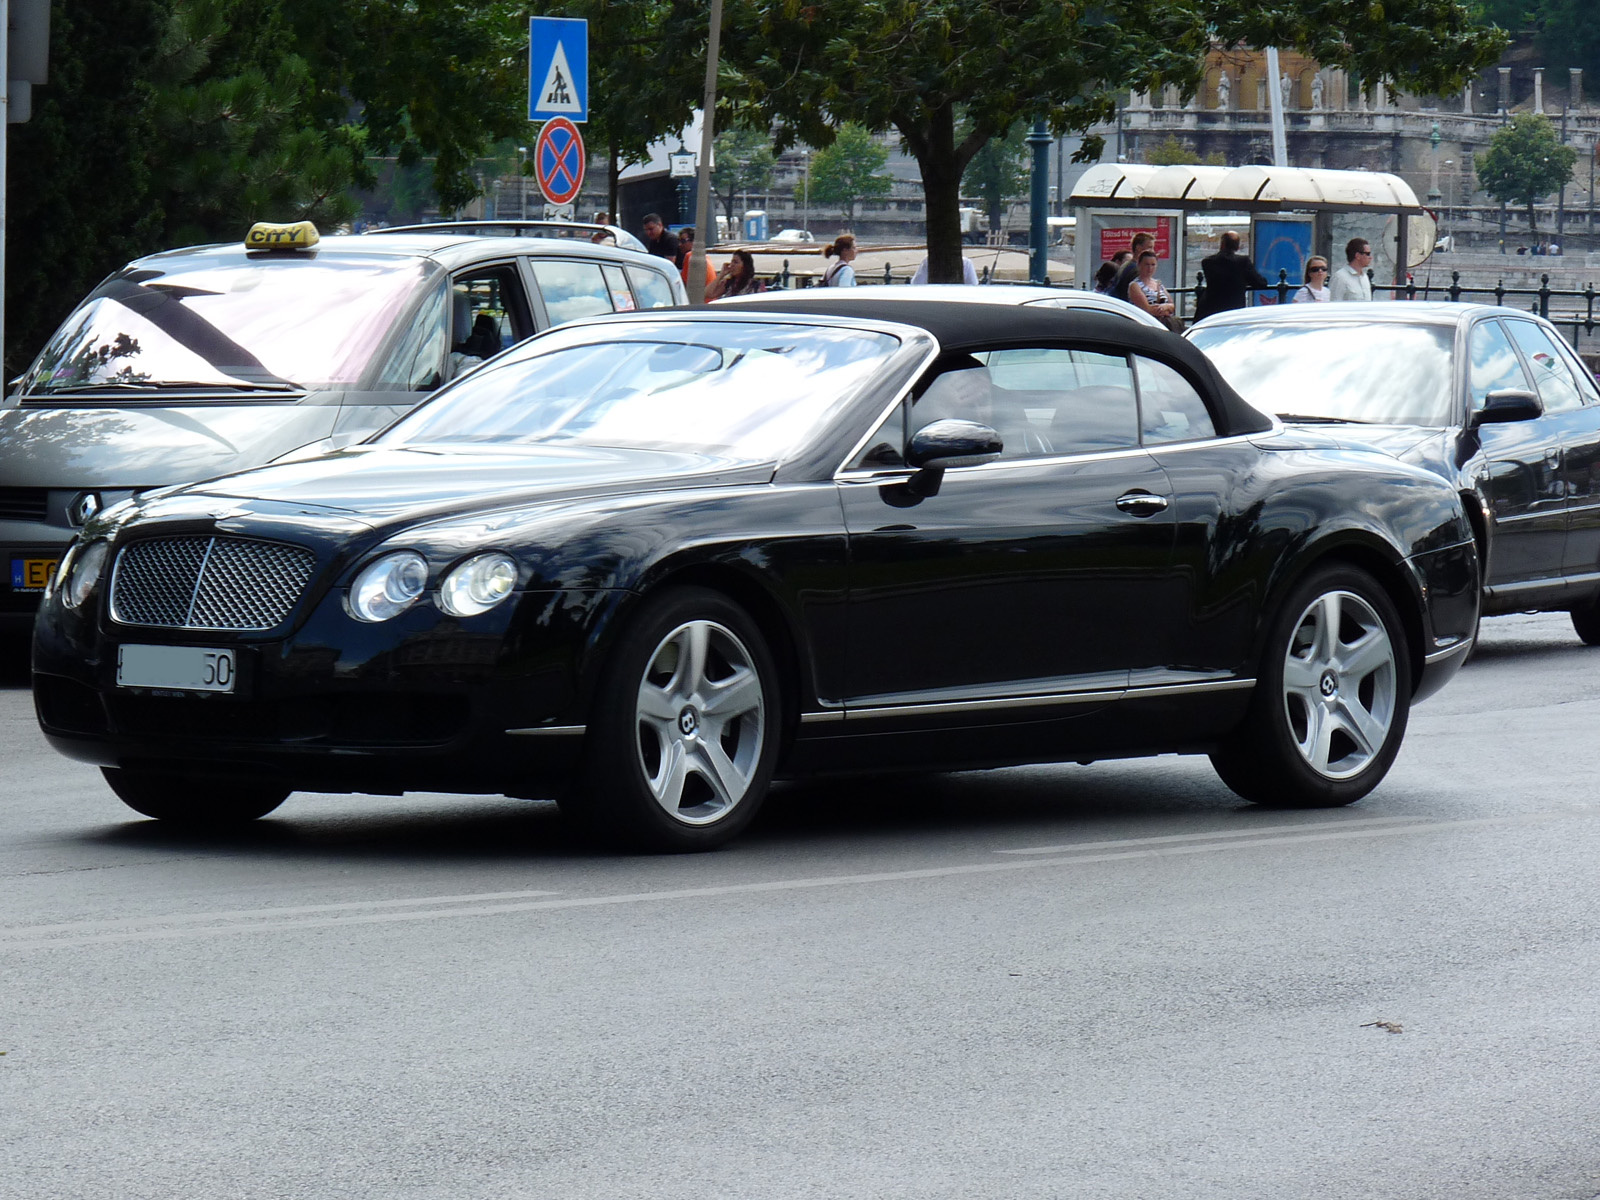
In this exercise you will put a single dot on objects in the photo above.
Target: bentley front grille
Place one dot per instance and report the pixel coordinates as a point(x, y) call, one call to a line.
point(208, 583)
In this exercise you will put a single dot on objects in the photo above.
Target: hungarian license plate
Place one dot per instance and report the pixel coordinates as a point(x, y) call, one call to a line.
point(184, 668)
point(32, 574)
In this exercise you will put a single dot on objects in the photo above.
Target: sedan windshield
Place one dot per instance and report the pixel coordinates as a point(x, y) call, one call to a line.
point(1385, 374)
point(745, 390)
point(278, 323)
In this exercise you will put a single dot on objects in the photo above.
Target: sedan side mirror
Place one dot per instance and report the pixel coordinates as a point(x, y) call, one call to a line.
point(1508, 404)
point(953, 443)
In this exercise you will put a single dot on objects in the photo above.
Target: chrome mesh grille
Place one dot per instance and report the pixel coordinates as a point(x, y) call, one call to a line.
point(208, 583)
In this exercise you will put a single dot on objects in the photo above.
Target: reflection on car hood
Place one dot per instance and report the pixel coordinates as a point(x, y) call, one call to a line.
point(127, 446)
point(1410, 443)
point(389, 483)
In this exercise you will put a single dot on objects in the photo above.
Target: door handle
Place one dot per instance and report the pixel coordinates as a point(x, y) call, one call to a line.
point(1141, 504)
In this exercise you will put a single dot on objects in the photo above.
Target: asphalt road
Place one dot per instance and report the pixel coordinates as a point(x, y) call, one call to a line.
point(1103, 982)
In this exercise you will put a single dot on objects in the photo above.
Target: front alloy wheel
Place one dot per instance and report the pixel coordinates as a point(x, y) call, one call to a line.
point(684, 732)
point(1332, 698)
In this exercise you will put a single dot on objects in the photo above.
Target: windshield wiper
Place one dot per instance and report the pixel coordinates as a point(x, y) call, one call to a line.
point(123, 385)
point(1308, 419)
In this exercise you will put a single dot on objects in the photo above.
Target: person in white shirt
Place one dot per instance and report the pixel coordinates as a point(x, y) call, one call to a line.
point(969, 273)
point(1350, 281)
point(841, 273)
point(1315, 289)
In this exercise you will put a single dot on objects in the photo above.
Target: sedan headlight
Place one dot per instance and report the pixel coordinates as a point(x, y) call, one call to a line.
point(387, 587)
point(478, 584)
point(80, 571)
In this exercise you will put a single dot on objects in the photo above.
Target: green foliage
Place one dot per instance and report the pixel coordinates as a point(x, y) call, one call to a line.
point(1526, 162)
point(1172, 151)
point(744, 163)
point(79, 174)
point(910, 64)
point(847, 171)
point(999, 173)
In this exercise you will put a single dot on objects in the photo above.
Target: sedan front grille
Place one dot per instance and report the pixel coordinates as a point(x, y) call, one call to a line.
point(208, 583)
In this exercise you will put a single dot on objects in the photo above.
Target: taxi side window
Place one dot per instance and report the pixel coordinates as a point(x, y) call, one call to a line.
point(571, 290)
point(1170, 410)
point(621, 296)
point(1493, 365)
point(488, 313)
point(418, 361)
point(651, 287)
point(1558, 391)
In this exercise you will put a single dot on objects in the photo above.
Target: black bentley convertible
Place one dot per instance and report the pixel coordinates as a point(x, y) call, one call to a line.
point(645, 563)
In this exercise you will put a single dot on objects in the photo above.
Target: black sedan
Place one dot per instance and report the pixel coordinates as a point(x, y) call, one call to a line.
point(645, 563)
point(1491, 399)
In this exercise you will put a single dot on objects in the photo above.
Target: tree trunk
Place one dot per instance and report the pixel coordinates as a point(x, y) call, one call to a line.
point(942, 163)
point(611, 186)
point(1533, 221)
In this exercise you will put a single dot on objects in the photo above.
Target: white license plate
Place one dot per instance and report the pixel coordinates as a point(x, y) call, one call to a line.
point(187, 668)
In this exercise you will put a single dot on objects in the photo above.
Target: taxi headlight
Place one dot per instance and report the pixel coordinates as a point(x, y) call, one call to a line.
point(478, 584)
point(387, 587)
point(80, 571)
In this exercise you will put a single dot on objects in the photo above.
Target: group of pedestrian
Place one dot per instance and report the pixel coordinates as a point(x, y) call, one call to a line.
point(738, 275)
point(1229, 276)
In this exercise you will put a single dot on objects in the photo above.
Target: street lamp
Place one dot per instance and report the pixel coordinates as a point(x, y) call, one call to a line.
point(1449, 198)
point(805, 222)
point(522, 185)
point(681, 162)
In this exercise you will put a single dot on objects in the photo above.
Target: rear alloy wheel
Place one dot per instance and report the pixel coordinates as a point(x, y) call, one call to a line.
point(1332, 699)
point(199, 801)
point(686, 728)
point(1586, 622)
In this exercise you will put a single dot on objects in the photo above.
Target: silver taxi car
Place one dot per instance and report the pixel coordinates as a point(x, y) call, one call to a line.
point(198, 362)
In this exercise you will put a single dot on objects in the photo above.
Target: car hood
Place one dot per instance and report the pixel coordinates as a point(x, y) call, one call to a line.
point(135, 447)
point(1419, 444)
point(386, 485)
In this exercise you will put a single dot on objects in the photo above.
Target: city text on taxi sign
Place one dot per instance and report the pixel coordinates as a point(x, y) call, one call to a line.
point(270, 235)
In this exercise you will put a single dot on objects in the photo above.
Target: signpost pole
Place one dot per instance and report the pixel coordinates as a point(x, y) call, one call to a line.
point(704, 228)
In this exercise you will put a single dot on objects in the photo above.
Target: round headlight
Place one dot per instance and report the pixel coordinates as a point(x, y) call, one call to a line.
point(389, 586)
point(478, 584)
point(80, 572)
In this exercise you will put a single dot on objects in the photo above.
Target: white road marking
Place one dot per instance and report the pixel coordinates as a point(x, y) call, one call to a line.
point(26, 937)
point(1174, 838)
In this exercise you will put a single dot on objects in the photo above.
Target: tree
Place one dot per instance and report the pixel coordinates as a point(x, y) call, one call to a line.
point(847, 171)
point(744, 163)
point(1525, 162)
point(1171, 151)
point(999, 173)
point(911, 66)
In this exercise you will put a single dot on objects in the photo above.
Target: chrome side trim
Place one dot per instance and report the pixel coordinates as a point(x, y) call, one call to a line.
point(1004, 464)
point(550, 731)
point(1547, 583)
point(821, 718)
point(1045, 700)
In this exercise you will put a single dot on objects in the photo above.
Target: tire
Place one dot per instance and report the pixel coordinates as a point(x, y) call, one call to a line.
point(1327, 718)
point(196, 801)
point(685, 728)
point(1586, 623)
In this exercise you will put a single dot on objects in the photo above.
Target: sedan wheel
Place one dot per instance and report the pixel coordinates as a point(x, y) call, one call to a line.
point(1332, 699)
point(684, 735)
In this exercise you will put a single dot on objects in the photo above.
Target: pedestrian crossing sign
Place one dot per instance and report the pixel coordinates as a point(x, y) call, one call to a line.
point(558, 69)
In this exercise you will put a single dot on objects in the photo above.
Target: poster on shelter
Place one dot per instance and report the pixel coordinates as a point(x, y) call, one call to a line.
point(1280, 244)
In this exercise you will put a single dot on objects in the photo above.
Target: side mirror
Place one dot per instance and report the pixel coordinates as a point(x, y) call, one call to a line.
point(1508, 404)
point(953, 443)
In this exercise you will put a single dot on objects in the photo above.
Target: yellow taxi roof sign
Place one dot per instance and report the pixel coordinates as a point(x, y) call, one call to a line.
point(276, 235)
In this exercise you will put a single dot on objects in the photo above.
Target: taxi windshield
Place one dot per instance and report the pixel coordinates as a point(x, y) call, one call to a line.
point(745, 390)
point(1382, 373)
point(273, 323)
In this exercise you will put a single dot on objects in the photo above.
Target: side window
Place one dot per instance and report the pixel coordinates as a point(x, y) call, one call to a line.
point(1558, 391)
point(1042, 402)
point(571, 289)
point(621, 297)
point(488, 313)
point(417, 362)
point(1494, 365)
point(1170, 410)
point(651, 287)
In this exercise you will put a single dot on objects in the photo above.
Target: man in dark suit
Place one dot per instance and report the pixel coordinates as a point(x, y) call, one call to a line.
point(1228, 273)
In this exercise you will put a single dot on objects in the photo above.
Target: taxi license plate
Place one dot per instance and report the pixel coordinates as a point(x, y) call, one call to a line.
point(184, 668)
point(32, 574)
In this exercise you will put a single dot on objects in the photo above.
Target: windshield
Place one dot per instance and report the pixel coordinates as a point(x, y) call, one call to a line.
point(275, 323)
point(1386, 374)
point(746, 390)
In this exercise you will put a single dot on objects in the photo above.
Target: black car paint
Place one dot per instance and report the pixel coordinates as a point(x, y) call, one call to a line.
point(496, 702)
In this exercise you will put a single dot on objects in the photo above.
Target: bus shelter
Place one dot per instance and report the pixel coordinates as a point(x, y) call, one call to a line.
point(1293, 213)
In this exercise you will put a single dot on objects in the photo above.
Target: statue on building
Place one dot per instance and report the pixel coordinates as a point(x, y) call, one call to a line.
point(1283, 89)
point(1261, 94)
point(1224, 91)
point(1316, 92)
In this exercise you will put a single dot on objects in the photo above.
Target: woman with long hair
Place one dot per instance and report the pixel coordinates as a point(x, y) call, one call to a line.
point(737, 278)
point(841, 273)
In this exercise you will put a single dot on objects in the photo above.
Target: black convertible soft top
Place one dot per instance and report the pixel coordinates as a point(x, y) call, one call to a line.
point(961, 326)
